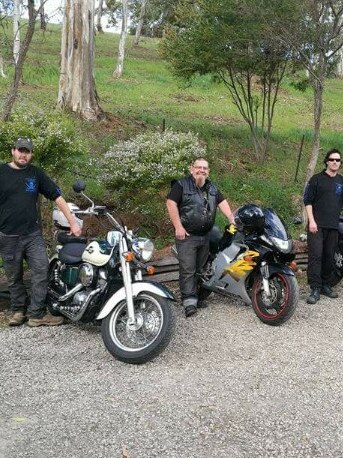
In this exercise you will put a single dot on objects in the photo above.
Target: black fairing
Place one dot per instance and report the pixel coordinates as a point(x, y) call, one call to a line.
point(274, 226)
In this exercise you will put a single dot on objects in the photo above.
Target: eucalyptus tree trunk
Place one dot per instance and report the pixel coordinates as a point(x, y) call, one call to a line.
point(123, 35)
point(340, 64)
point(42, 16)
point(318, 88)
point(140, 22)
point(99, 16)
point(2, 71)
point(77, 91)
point(16, 29)
point(18, 67)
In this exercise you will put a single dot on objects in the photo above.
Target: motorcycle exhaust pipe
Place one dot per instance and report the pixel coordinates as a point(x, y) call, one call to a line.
point(83, 308)
point(68, 294)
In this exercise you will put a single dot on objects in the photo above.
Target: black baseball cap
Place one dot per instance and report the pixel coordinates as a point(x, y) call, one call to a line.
point(24, 142)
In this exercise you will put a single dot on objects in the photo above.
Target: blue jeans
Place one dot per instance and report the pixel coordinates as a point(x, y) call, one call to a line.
point(31, 248)
point(192, 254)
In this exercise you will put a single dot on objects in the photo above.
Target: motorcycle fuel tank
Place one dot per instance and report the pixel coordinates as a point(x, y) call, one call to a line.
point(97, 253)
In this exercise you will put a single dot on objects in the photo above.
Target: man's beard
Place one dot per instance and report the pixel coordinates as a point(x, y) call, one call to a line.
point(20, 165)
point(200, 181)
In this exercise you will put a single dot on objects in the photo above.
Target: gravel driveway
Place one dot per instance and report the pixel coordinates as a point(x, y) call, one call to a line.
point(227, 386)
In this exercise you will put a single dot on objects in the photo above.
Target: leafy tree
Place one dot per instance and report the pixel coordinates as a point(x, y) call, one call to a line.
point(157, 15)
point(227, 39)
point(314, 31)
point(18, 65)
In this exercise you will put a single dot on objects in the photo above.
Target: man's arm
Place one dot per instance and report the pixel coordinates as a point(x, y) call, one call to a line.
point(180, 231)
point(224, 207)
point(74, 226)
point(309, 197)
point(312, 225)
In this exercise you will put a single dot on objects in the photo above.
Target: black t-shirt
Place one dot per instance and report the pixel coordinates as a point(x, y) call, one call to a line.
point(175, 193)
point(325, 194)
point(19, 189)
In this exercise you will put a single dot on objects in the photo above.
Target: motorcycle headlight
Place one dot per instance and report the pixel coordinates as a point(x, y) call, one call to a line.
point(144, 248)
point(285, 246)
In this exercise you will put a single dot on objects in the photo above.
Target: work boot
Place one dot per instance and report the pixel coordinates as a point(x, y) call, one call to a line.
point(202, 304)
point(329, 292)
point(46, 320)
point(190, 306)
point(17, 319)
point(190, 310)
point(314, 296)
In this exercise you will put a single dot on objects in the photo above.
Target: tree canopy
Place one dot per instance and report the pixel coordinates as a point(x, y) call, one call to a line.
point(227, 38)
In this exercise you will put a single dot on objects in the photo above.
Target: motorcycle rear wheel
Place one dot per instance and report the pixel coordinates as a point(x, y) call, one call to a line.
point(154, 330)
point(281, 305)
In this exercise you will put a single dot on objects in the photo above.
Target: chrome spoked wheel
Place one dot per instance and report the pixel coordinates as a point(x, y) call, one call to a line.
point(148, 325)
point(142, 340)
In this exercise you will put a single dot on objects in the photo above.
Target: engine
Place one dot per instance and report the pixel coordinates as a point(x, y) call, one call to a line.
point(73, 288)
point(85, 273)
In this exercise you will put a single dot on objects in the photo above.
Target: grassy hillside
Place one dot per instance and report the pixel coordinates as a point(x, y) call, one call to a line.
point(147, 94)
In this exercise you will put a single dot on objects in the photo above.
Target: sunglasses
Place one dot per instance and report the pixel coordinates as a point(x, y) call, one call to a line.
point(331, 159)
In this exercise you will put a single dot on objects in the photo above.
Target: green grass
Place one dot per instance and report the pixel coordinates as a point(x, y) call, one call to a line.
point(148, 94)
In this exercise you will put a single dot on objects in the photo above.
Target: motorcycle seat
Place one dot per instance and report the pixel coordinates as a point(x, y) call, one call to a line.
point(71, 253)
point(64, 237)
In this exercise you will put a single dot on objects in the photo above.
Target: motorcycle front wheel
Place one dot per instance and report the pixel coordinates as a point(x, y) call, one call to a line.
point(147, 338)
point(280, 306)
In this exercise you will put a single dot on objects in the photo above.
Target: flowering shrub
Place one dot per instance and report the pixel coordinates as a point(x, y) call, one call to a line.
point(139, 171)
point(149, 160)
point(53, 135)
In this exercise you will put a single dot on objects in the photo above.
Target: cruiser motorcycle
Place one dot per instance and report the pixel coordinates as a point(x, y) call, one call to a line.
point(254, 263)
point(103, 280)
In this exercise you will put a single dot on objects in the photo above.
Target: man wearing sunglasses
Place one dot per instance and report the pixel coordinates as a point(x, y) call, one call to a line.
point(192, 204)
point(323, 199)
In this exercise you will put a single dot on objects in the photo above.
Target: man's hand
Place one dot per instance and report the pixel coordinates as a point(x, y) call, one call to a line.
point(312, 227)
point(181, 233)
point(75, 229)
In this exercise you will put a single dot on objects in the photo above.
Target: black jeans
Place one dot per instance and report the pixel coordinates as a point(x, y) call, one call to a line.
point(192, 253)
point(31, 248)
point(321, 250)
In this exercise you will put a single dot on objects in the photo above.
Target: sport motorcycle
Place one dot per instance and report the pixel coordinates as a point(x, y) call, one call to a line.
point(253, 261)
point(102, 280)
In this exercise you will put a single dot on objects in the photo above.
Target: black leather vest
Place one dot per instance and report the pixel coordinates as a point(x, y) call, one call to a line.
point(197, 208)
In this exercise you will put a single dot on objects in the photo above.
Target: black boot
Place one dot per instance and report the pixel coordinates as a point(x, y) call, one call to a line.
point(328, 291)
point(314, 296)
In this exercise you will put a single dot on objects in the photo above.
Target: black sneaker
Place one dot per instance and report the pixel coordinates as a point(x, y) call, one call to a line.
point(329, 292)
point(190, 310)
point(314, 296)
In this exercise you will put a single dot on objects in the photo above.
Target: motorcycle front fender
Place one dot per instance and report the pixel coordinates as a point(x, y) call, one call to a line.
point(137, 287)
point(274, 268)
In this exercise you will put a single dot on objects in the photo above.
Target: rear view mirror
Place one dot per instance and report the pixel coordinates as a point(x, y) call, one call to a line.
point(79, 186)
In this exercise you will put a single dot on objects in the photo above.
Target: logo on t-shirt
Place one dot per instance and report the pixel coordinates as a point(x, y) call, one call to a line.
point(339, 188)
point(31, 185)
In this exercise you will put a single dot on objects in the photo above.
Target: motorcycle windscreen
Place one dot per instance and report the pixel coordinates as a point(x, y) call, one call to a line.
point(274, 226)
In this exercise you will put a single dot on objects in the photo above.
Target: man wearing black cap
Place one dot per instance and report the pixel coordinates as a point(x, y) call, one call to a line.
point(20, 235)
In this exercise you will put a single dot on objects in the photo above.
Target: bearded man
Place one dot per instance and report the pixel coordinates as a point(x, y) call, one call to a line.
point(21, 237)
point(192, 204)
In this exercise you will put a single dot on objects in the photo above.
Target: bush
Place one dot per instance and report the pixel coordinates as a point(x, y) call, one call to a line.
point(55, 142)
point(140, 171)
